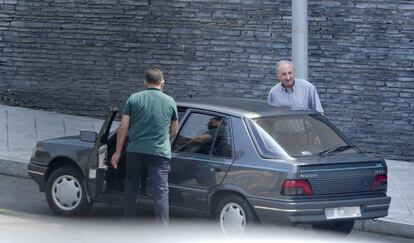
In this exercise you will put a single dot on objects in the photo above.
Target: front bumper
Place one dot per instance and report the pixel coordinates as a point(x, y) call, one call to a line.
point(38, 174)
point(313, 211)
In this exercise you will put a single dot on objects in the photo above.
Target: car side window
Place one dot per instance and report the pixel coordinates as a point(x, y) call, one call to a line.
point(204, 134)
point(222, 145)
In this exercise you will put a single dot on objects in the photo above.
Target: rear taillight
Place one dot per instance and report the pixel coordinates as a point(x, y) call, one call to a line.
point(292, 187)
point(380, 183)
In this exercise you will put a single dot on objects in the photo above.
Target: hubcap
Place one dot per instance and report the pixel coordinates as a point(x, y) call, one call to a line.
point(232, 219)
point(66, 192)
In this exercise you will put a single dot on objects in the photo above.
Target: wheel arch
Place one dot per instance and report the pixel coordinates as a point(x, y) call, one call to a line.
point(59, 162)
point(222, 191)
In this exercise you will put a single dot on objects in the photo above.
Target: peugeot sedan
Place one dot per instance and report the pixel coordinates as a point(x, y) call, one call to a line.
point(259, 164)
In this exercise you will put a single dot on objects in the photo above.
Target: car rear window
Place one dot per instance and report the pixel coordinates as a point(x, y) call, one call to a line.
point(296, 135)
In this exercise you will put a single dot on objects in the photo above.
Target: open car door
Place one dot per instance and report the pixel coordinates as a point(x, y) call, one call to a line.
point(97, 161)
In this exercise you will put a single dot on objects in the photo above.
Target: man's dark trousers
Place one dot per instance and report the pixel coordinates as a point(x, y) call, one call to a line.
point(158, 168)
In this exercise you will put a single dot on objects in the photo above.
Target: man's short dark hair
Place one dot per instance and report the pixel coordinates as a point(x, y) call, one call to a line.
point(217, 118)
point(154, 76)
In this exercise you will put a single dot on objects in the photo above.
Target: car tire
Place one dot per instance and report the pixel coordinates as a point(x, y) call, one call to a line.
point(344, 227)
point(234, 215)
point(66, 194)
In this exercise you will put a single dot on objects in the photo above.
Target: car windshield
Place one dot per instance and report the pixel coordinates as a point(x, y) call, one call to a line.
point(298, 135)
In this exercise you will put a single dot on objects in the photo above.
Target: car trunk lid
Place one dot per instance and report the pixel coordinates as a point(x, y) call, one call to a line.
point(332, 176)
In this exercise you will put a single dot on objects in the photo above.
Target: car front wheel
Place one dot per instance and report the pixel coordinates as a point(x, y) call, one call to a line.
point(66, 194)
point(234, 214)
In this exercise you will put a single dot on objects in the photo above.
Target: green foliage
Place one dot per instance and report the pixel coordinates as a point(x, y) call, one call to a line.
point(7, 100)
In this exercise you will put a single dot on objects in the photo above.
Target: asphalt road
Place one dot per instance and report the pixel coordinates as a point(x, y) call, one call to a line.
point(25, 217)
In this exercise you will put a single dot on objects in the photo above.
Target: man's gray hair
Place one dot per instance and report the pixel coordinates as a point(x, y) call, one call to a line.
point(281, 62)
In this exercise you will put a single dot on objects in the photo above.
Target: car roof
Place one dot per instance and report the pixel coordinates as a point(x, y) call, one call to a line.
point(241, 107)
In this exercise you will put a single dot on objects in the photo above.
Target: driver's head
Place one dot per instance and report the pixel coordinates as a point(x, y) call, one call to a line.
point(214, 122)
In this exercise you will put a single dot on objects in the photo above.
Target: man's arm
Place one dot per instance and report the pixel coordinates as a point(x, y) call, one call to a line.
point(316, 102)
point(173, 128)
point(202, 138)
point(120, 139)
point(269, 97)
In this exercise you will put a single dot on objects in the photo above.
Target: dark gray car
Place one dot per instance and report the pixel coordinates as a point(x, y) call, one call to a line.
point(238, 160)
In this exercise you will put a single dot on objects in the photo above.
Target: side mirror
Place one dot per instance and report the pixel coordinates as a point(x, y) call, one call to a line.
point(88, 136)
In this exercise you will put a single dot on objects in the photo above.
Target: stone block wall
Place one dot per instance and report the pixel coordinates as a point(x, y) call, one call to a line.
point(83, 56)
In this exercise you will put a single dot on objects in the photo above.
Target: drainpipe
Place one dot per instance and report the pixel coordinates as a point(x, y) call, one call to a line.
point(300, 37)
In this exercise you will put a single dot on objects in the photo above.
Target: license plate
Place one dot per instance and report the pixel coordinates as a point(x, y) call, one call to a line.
point(343, 212)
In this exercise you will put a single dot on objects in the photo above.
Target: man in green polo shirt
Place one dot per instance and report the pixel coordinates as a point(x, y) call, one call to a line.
point(150, 117)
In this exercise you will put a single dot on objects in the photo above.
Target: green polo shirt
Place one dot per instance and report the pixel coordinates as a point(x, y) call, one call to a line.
point(151, 113)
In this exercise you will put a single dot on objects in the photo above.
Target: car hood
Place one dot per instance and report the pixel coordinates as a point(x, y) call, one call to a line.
point(68, 140)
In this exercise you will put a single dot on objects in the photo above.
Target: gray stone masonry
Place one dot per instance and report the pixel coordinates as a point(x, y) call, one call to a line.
point(81, 57)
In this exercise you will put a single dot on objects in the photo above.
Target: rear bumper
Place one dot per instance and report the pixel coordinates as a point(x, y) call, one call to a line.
point(314, 211)
point(38, 174)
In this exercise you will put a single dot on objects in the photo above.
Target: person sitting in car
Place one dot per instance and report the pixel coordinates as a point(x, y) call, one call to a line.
point(202, 143)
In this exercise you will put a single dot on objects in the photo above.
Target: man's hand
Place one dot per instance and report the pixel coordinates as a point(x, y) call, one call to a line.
point(115, 159)
point(120, 139)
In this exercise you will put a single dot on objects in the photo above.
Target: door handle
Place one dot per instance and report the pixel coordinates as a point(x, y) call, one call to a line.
point(215, 169)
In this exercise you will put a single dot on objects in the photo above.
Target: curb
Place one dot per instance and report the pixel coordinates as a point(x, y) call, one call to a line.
point(383, 226)
point(13, 168)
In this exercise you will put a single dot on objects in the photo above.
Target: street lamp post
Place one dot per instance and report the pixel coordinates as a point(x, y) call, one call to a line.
point(300, 37)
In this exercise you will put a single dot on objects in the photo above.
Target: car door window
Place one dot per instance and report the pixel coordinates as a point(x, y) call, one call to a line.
point(200, 132)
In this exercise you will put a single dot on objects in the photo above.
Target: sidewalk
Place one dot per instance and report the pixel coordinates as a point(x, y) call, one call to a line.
point(20, 128)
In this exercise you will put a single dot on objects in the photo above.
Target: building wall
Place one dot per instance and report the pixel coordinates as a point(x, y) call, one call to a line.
point(81, 57)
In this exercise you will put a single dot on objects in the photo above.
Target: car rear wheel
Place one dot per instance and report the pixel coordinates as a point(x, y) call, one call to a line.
point(65, 192)
point(234, 214)
point(344, 227)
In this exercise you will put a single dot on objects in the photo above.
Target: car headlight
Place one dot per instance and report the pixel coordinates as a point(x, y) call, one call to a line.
point(37, 148)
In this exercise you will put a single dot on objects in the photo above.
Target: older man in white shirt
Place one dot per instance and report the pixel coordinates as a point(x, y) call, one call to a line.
point(298, 94)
